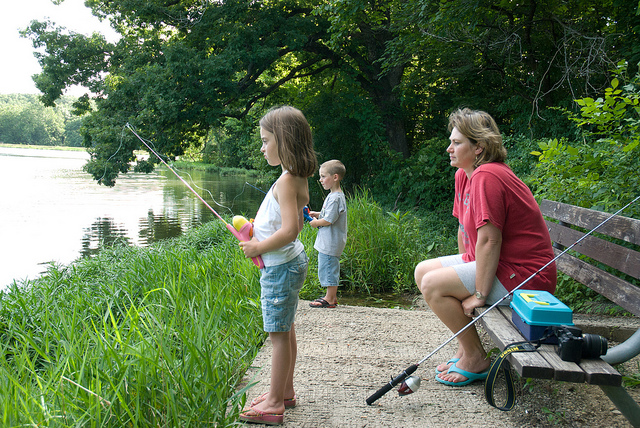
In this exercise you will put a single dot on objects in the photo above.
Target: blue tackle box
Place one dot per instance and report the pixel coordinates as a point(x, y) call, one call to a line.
point(535, 310)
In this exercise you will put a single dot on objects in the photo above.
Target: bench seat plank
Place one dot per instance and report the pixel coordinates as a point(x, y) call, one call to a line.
point(504, 333)
point(564, 371)
point(545, 363)
point(600, 373)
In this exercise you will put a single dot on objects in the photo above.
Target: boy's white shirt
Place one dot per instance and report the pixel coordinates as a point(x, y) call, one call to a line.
point(332, 239)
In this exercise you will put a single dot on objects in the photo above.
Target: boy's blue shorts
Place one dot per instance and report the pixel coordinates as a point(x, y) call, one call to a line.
point(279, 296)
point(328, 270)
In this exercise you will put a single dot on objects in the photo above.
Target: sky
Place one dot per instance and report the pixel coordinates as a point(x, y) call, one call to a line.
point(17, 63)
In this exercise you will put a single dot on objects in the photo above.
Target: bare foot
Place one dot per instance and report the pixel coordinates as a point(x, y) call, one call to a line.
point(476, 367)
point(446, 366)
point(264, 407)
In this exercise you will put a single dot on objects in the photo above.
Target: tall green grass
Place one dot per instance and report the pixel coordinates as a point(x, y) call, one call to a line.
point(383, 247)
point(155, 336)
point(162, 336)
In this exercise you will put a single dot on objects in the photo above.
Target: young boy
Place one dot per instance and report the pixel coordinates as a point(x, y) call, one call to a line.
point(332, 232)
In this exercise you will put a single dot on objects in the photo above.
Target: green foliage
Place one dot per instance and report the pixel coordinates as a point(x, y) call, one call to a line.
point(24, 120)
point(424, 181)
point(576, 295)
point(133, 337)
point(631, 379)
point(377, 78)
point(599, 171)
point(383, 248)
point(509, 59)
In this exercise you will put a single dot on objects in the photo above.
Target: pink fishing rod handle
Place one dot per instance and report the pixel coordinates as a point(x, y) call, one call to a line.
point(244, 235)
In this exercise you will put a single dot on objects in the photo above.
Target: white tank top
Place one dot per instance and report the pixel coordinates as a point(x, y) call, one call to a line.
point(269, 220)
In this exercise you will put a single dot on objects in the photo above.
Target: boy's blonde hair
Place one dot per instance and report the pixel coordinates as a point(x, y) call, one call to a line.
point(334, 166)
point(293, 139)
point(479, 127)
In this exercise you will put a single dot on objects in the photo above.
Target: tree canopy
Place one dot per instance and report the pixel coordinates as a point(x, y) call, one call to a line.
point(376, 78)
point(24, 120)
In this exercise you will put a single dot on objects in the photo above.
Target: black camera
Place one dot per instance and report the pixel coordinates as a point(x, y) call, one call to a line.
point(573, 346)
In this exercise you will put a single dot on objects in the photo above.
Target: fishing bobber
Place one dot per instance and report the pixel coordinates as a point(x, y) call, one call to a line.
point(238, 221)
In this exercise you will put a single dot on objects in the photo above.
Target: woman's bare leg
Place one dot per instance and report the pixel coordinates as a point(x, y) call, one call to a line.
point(443, 291)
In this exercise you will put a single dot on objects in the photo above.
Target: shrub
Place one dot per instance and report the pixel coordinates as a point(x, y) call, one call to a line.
point(383, 248)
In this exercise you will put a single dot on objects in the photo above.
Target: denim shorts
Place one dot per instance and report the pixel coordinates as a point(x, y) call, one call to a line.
point(467, 273)
point(279, 295)
point(328, 270)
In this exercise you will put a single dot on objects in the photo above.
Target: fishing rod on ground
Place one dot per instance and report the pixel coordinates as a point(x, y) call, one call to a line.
point(412, 383)
point(241, 228)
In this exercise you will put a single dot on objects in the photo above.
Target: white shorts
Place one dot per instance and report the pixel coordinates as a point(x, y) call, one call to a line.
point(467, 273)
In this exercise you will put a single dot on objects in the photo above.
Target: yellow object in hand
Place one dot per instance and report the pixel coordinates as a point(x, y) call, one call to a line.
point(238, 221)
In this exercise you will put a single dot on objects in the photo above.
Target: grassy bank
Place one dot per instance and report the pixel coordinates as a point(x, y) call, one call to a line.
point(161, 336)
point(133, 337)
point(37, 147)
point(223, 171)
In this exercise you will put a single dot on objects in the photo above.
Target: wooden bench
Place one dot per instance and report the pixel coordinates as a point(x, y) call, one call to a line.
point(563, 223)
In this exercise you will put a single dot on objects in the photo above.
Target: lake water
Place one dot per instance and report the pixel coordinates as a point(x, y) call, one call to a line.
point(52, 211)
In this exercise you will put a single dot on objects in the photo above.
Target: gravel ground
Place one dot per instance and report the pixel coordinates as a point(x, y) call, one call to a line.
point(348, 353)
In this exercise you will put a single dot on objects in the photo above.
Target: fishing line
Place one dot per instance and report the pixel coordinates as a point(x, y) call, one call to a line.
point(409, 370)
point(174, 169)
point(210, 195)
point(175, 173)
point(241, 228)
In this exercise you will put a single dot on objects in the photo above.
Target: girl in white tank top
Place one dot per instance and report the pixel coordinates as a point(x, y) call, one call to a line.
point(286, 142)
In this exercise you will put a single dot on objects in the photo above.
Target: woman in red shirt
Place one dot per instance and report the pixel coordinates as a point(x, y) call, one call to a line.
point(502, 240)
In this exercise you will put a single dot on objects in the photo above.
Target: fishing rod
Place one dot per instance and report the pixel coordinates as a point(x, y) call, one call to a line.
point(414, 384)
point(241, 228)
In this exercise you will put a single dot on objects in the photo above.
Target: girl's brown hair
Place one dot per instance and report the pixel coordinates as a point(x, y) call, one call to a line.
point(479, 127)
point(293, 139)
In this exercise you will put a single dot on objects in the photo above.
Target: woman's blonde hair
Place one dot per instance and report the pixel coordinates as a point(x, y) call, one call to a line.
point(293, 139)
point(479, 127)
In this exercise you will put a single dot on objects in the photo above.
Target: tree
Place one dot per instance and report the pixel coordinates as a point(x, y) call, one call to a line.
point(24, 120)
point(180, 70)
point(515, 59)
point(185, 70)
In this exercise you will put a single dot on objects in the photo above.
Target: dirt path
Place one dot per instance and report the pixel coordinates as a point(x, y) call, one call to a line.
point(346, 354)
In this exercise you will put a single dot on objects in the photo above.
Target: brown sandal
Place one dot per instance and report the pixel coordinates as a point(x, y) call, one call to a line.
point(259, 417)
point(323, 304)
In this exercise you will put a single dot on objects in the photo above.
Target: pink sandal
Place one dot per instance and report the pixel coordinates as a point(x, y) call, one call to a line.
point(288, 402)
point(259, 417)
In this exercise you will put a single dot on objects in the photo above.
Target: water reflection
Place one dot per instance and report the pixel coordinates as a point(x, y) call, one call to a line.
point(156, 227)
point(52, 211)
point(103, 232)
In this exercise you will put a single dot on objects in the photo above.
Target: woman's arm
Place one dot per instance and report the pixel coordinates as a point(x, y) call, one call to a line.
point(487, 257)
point(461, 249)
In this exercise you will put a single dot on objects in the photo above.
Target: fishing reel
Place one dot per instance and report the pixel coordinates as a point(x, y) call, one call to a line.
point(409, 386)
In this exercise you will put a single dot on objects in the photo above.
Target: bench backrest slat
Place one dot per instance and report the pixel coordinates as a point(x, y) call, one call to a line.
point(619, 257)
point(620, 227)
point(609, 253)
point(613, 288)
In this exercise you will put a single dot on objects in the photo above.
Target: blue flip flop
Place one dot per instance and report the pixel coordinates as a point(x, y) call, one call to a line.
point(453, 360)
point(471, 377)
